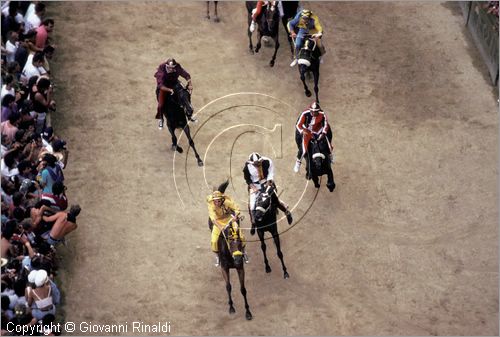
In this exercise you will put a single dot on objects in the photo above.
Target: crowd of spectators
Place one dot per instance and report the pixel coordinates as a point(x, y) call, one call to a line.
point(35, 215)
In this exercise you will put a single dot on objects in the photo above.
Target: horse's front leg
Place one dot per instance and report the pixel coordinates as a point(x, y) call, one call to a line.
point(331, 182)
point(216, 17)
point(174, 147)
point(208, 11)
point(276, 47)
point(225, 275)
point(241, 275)
point(316, 81)
point(191, 143)
point(263, 246)
point(259, 38)
point(250, 45)
point(302, 70)
point(277, 243)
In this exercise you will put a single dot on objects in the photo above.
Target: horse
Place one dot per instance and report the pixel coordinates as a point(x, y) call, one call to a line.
point(318, 161)
point(216, 17)
point(265, 221)
point(289, 11)
point(268, 22)
point(177, 109)
point(308, 60)
point(230, 242)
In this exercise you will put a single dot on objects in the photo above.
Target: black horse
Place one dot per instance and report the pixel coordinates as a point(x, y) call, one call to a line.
point(268, 23)
point(230, 257)
point(289, 11)
point(266, 208)
point(318, 161)
point(309, 60)
point(177, 110)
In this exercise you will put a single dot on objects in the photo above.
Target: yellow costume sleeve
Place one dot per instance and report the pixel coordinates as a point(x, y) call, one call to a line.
point(317, 25)
point(214, 239)
point(229, 203)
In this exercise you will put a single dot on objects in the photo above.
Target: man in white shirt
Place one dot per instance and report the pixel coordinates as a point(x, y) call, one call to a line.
point(33, 67)
point(34, 20)
point(11, 46)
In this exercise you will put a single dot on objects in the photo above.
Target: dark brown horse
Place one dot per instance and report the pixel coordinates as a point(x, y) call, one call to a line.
point(177, 111)
point(230, 257)
point(268, 23)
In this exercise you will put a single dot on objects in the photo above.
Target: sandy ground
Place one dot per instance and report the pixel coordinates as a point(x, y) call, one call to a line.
point(406, 245)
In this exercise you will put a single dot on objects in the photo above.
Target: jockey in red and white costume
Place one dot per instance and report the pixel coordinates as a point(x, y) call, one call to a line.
point(311, 122)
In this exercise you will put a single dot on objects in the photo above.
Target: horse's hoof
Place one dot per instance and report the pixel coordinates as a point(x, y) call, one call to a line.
point(331, 187)
point(251, 50)
point(308, 93)
point(257, 50)
point(248, 316)
point(252, 231)
point(207, 17)
point(179, 149)
point(216, 19)
point(285, 276)
point(231, 310)
point(271, 64)
point(317, 185)
point(268, 269)
point(200, 162)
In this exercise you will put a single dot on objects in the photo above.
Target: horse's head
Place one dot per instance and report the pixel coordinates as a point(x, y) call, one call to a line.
point(307, 54)
point(263, 202)
point(272, 15)
point(234, 242)
point(318, 152)
point(183, 98)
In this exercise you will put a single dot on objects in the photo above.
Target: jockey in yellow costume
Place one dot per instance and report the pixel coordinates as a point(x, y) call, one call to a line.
point(221, 210)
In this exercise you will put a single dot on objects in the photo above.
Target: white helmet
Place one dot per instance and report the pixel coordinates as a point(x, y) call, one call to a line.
point(254, 158)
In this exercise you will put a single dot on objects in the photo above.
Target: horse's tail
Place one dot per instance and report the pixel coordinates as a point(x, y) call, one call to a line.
point(222, 187)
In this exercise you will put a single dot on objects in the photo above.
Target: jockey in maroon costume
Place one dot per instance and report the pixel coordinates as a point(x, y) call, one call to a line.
point(167, 76)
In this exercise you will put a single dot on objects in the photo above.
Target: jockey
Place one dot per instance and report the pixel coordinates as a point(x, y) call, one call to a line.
point(312, 121)
point(305, 22)
point(221, 211)
point(256, 12)
point(259, 172)
point(167, 76)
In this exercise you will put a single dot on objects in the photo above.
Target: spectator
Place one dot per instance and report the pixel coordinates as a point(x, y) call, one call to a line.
point(64, 223)
point(33, 67)
point(57, 198)
point(9, 106)
point(11, 45)
point(41, 296)
point(34, 20)
point(9, 127)
point(42, 33)
point(8, 87)
point(42, 101)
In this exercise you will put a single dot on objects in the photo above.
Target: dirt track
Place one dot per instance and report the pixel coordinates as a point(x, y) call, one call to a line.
point(407, 244)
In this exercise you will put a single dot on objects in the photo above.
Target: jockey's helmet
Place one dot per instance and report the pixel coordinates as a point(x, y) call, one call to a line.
point(315, 107)
point(306, 13)
point(171, 63)
point(217, 195)
point(254, 158)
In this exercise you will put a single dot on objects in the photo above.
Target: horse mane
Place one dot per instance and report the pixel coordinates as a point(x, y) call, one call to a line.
point(222, 187)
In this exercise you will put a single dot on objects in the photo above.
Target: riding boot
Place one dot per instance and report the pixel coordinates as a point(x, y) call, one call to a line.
point(246, 258)
point(284, 208)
